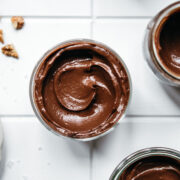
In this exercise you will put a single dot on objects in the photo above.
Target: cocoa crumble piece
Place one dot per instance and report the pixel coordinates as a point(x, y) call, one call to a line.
point(9, 50)
point(17, 22)
point(1, 36)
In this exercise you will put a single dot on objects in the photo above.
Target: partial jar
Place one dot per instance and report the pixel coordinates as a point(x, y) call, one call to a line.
point(162, 45)
point(80, 89)
point(151, 163)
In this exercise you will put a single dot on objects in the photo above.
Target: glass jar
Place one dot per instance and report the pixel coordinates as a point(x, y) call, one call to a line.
point(33, 79)
point(150, 49)
point(141, 154)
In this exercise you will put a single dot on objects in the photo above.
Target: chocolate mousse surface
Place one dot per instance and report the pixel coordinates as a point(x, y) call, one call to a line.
point(81, 89)
point(153, 168)
point(168, 43)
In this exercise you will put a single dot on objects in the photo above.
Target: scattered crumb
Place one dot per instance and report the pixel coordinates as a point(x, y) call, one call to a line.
point(17, 22)
point(40, 149)
point(9, 50)
point(26, 76)
point(18, 161)
point(4, 88)
point(24, 177)
point(48, 163)
point(10, 164)
point(1, 36)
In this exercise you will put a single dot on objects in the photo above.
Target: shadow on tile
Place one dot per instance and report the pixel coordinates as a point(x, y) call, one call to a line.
point(123, 132)
point(77, 146)
point(173, 92)
point(3, 161)
point(54, 143)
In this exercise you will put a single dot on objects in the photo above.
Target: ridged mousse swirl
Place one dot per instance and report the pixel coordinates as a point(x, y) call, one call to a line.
point(81, 89)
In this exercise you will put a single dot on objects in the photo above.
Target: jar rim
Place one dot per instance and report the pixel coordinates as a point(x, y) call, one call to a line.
point(31, 90)
point(159, 18)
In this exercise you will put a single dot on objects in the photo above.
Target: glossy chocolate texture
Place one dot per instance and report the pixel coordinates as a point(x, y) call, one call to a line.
point(81, 89)
point(168, 43)
point(153, 168)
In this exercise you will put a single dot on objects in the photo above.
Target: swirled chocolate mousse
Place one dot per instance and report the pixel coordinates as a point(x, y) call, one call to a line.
point(153, 168)
point(81, 89)
point(168, 43)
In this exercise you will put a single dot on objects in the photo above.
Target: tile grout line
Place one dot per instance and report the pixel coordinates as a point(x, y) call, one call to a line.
point(92, 143)
point(91, 23)
point(82, 17)
point(16, 115)
point(50, 17)
point(146, 116)
point(91, 160)
point(123, 17)
point(92, 20)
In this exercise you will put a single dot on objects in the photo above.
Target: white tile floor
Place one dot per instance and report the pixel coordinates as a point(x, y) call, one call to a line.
point(34, 153)
point(31, 152)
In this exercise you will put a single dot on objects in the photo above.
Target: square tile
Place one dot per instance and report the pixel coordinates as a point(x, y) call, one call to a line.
point(32, 152)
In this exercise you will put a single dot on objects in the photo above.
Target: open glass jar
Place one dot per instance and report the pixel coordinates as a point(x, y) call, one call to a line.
point(80, 89)
point(162, 45)
point(164, 162)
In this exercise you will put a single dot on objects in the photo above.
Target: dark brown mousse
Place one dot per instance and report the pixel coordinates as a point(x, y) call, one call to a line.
point(81, 89)
point(153, 168)
point(168, 43)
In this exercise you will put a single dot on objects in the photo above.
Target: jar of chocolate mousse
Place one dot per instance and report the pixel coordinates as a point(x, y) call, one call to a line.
point(162, 45)
point(80, 89)
point(147, 164)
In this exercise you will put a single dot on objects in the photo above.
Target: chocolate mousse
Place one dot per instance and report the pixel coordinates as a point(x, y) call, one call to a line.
point(168, 43)
point(154, 167)
point(81, 89)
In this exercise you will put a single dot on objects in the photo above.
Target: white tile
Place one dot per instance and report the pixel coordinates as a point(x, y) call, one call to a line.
point(130, 136)
point(150, 97)
point(129, 7)
point(37, 36)
point(31, 152)
point(45, 7)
